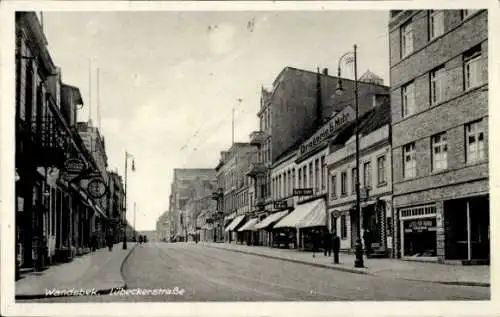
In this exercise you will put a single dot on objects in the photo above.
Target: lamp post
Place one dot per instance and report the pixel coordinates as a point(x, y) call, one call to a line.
point(352, 57)
point(127, 155)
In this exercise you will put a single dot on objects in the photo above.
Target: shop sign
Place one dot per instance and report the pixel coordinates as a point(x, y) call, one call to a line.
point(302, 191)
point(74, 166)
point(338, 121)
point(96, 188)
point(420, 225)
point(282, 204)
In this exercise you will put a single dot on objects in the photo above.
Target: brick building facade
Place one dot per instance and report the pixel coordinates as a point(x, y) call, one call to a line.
point(439, 95)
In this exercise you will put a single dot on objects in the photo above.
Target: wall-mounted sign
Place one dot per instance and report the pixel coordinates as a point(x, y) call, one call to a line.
point(302, 191)
point(340, 119)
point(420, 225)
point(74, 166)
point(281, 204)
point(96, 188)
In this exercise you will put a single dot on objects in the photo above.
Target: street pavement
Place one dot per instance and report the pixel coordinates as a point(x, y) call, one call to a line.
point(204, 273)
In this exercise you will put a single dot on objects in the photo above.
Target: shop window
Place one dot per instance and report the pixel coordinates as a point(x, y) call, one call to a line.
point(437, 84)
point(343, 183)
point(311, 174)
point(436, 23)
point(439, 152)
point(475, 69)
point(475, 144)
point(406, 39)
point(323, 173)
point(408, 100)
point(409, 161)
point(316, 175)
point(343, 227)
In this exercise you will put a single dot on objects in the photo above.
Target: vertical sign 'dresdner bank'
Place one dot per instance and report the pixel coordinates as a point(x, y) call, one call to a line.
point(317, 140)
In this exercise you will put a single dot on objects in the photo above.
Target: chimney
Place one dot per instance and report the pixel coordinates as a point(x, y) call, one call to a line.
point(325, 71)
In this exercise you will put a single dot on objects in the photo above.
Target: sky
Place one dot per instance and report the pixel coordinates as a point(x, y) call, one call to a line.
point(168, 80)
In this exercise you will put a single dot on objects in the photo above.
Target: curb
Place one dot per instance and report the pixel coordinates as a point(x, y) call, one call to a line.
point(458, 283)
point(104, 291)
point(326, 266)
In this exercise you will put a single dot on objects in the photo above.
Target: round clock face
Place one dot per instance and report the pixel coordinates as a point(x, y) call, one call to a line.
point(96, 188)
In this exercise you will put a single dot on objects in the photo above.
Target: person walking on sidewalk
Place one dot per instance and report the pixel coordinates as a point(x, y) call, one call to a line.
point(93, 243)
point(327, 243)
point(109, 241)
point(335, 247)
point(315, 242)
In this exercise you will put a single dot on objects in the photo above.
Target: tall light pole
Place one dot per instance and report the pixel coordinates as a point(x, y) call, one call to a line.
point(348, 58)
point(127, 155)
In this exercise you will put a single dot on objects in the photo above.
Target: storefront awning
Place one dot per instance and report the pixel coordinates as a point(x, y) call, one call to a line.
point(271, 219)
point(294, 219)
point(236, 221)
point(249, 225)
point(316, 216)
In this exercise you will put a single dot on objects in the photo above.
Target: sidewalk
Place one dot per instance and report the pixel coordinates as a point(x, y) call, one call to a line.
point(476, 275)
point(99, 271)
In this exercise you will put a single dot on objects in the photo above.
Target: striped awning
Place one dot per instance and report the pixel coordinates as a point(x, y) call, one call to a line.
point(236, 221)
point(271, 219)
point(316, 216)
point(249, 225)
point(295, 219)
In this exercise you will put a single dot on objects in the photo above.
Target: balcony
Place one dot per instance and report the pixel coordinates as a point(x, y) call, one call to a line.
point(256, 169)
point(257, 138)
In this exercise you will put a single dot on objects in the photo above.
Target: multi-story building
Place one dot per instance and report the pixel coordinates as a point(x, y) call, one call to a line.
point(299, 103)
point(375, 183)
point(187, 184)
point(439, 95)
point(116, 208)
point(52, 207)
point(233, 189)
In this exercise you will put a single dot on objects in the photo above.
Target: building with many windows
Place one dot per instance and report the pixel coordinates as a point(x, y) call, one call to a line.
point(375, 183)
point(439, 95)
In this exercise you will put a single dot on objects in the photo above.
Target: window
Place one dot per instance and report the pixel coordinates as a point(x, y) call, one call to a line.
point(436, 23)
point(323, 173)
point(316, 175)
point(333, 187)
point(251, 200)
point(409, 161)
point(343, 227)
point(381, 177)
point(304, 174)
point(269, 150)
point(289, 183)
point(475, 147)
point(408, 99)
point(300, 177)
point(367, 175)
point(279, 187)
point(353, 180)
point(438, 82)
point(468, 13)
point(311, 174)
point(439, 152)
point(293, 181)
point(343, 183)
point(406, 39)
point(475, 72)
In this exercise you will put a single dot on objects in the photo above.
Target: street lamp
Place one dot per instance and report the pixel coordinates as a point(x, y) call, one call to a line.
point(350, 57)
point(127, 155)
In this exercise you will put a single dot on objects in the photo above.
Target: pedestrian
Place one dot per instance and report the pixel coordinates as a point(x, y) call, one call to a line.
point(93, 244)
point(367, 237)
point(335, 247)
point(327, 241)
point(109, 241)
point(315, 242)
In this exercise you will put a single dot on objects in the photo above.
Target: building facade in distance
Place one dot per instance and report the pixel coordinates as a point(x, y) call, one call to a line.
point(439, 95)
